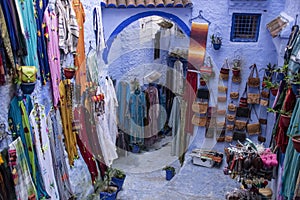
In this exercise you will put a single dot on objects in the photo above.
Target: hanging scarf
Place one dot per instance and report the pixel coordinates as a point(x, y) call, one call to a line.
point(24, 186)
point(98, 29)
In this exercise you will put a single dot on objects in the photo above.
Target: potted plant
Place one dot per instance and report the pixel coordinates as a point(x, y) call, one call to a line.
point(108, 191)
point(270, 85)
point(118, 178)
point(295, 83)
point(69, 72)
point(236, 68)
point(285, 118)
point(296, 142)
point(269, 70)
point(216, 41)
point(202, 81)
point(170, 172)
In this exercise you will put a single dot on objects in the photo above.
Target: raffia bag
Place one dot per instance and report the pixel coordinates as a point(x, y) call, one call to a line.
point(231, 107)
point(230, 127)
point(224, 72)
point(253, 98)
point(234, 95)
point(221, 124)
point(265, 94)
point(253, 128)
point(253, 81)
point(264, 102)
point(222, 99)
point(240, 125)
point(222, 88)
point(199, 121)
point(200, 107)
point(228, 138)
point(230, 118)
point(221, 112)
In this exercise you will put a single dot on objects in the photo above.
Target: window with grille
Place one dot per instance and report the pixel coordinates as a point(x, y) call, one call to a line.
point(245, 27)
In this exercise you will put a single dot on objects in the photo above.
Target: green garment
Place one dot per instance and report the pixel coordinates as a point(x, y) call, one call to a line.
point(292, 157)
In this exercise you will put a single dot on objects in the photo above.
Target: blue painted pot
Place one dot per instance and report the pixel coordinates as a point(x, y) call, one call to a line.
point(27, 88)
point(135, 148)
point(108, 196)
point(217, 46)
point(296, 88)
point(280, 76)
point(118, 182)
point(169, 174)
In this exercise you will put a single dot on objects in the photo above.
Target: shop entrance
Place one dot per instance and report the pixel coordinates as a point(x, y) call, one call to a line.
point(148, 60)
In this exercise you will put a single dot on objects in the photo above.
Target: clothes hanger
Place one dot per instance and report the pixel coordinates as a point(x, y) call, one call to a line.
point(200, 17)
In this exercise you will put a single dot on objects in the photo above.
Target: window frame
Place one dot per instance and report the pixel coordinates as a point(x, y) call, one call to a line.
point(233, 26)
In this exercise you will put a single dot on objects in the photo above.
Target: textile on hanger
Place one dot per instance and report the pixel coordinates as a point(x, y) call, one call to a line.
point(57, 148)
point(38, 122)
point(66, 96)
point(51, 26)
point(98, 29)
point(79, 58)
point(24, 186)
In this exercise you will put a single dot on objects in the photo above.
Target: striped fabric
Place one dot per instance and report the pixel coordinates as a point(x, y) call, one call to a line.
point(146, 3)
point(68, 29)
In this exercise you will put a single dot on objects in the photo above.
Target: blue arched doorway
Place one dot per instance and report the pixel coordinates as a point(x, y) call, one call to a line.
point(184, 27)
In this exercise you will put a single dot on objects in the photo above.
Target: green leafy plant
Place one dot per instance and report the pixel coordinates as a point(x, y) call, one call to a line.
point(283, 112)
point(215, 39)
point(118, 173)
point(269, 84)
point(105, 184)
point(168, 167)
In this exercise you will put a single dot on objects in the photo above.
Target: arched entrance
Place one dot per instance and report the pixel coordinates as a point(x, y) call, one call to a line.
point(184, 27)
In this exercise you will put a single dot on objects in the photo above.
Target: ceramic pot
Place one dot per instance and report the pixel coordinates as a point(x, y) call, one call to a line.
point(169, 174)
point(236, 72)
point(284, 121)
point(217, 46)
point(274, 91)
point(27, 88)
point(69, 73)
point(118, 182)
point(296, 142)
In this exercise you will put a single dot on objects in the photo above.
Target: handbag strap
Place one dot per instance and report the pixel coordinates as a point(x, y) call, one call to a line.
point(253, 68)
point(253, 107)
point(245, 91)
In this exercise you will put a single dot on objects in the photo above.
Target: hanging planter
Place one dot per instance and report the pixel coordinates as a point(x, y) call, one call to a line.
point(202, 82)
point(274, 91)
point(296, 142)
point(216, 41)
point(284, 120)
point(27, 88)
point(69, 72)
point(296, 88)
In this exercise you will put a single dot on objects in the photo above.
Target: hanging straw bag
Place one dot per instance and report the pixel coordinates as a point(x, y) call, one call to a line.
point(200, 107)
point(253, 81)
point(199, 120)
point(224, 72)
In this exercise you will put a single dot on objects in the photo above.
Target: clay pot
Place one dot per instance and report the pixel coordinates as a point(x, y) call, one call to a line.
point(284, 121)
point(202, 82)
point(236, 72)
point(69, 73)
point(274, 91)
point(296, 142)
